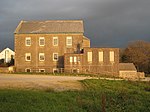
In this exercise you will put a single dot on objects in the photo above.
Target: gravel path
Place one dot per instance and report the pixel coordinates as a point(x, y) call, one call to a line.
point(58, 83)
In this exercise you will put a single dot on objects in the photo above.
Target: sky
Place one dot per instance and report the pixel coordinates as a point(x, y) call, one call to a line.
point(107, 23)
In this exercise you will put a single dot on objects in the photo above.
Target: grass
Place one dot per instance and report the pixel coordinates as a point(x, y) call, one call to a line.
point(98, 96)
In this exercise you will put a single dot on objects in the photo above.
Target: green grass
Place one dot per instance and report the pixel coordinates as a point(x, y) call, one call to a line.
point(98, 96)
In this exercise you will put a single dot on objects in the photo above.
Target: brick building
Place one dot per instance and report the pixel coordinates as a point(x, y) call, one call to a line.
point(40, 45)
point(60, 46)
point(93, 60)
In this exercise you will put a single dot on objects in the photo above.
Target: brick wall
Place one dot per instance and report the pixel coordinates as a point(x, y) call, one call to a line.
point(48, 49)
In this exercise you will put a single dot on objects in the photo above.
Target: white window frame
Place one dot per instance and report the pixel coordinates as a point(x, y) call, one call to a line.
point(69, 41)
point(54, 57)
point(75, 59)
point(26, 55)
point(42, 69)
point(71, 59)
point(55, 69)
point(101, 56)
point(89, 56)
point(41, 54)
point(55, 38)
point(111, 56)
point(28, 69)
point(40, 38)
point(26, 41)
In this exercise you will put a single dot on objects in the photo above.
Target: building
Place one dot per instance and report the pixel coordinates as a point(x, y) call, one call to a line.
point(40, 45)
point(93, 60)
point(60, 46)
point(7, 54)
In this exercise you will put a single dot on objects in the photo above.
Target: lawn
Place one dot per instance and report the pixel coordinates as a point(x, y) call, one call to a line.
point(98, 96)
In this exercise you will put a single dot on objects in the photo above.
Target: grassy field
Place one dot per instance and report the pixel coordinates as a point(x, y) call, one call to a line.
point(98, 96)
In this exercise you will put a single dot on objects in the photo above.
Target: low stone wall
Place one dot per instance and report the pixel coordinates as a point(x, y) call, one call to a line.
point(141, 75)
point(4, 70)
point(133, 75)
point(128, 75)
point(10, 69)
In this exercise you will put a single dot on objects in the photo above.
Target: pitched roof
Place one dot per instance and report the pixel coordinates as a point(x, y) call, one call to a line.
point(50, 26)
point(127, 66)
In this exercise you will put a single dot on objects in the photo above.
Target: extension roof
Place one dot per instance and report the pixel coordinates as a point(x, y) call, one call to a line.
point(50, 26)
point(127, 67)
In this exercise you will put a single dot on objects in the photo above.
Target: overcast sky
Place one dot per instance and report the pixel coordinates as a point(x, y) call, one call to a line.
point(108, 23)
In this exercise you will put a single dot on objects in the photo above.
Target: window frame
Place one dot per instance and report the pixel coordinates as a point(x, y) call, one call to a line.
point(28, 69)
point(55, 38)
point(112, 53)
point(41, 54)
point(89, 56)
point(70, 59)
point(26, 55)
point(54, 57)
point(40, 38)
point(55, 69)
point(101, 56)
point(41, 69)
point(26, 41)
point(67, 41)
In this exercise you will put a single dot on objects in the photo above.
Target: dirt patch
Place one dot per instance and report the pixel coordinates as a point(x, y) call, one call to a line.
point(57, 83)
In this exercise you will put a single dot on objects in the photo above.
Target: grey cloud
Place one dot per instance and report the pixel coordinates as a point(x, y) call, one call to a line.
point(107, 22)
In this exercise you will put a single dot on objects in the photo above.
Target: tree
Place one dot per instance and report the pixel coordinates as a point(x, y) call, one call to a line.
point(138, 52)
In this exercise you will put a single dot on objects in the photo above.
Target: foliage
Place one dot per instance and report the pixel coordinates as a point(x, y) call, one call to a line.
point(98, 96)
point(138, 52)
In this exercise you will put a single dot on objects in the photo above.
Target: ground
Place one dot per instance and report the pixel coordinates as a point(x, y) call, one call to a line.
point(57, 83)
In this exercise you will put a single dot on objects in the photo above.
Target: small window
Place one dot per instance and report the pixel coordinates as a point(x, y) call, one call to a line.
point(42, 70)
point(71, 59)
point(41, 41)
point(101, 56)
point(41, 56)
point(28, 41)
point(69, 41)
point(28, 56)
point(78, 59)
point(55, 56)
point(75, 59)
point(89, 56)
point(55, 41)
point(111, 56)
point(27, 70)
point(55, 70)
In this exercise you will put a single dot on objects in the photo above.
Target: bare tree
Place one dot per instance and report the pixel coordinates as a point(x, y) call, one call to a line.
point(138, 52)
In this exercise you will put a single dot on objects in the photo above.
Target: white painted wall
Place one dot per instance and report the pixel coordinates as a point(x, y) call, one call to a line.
point(6, 54)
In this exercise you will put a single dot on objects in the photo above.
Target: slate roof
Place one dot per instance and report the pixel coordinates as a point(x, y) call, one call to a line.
point(127, 67)
point(50, 26)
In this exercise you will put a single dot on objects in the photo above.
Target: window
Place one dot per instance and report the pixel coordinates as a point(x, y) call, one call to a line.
point(27, 70)
point(78, 59)
point(55, 56)
point(101, 56)
point(69, 41)
point(41, 56)
point(42, 70)
point(89, 54)
point(28, 41)
point(111, 56)
point(55, 41)
point(71, 59)
point(75, 59)
point(55, 70)
point(41, 41)
point(28, 56)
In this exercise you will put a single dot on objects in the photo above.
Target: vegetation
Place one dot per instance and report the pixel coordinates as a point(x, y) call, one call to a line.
point(3, 64)
point(138, 52)
point(98, 96)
